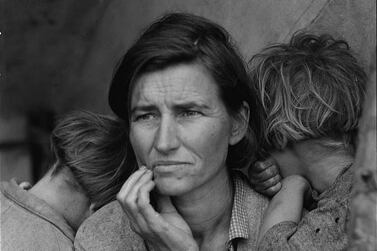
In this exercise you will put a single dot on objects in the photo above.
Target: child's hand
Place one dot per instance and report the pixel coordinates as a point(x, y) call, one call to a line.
point(265, 177)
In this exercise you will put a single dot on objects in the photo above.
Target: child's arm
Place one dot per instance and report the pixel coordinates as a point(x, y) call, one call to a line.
point(287, 204)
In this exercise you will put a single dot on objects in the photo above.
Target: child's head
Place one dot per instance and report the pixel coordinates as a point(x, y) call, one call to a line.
point(311, 88)
point(93, 148)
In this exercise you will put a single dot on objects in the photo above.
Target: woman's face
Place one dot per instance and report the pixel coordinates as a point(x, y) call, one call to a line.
point(180, 128)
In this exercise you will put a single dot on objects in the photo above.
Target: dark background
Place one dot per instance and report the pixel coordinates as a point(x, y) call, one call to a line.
point(59, 55)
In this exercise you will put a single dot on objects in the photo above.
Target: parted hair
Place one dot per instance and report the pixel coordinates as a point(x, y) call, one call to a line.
point(94, 148)
point(311, 87)
point(180, 38)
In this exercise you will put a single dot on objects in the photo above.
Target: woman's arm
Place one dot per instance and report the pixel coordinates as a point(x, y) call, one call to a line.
point(287, 204)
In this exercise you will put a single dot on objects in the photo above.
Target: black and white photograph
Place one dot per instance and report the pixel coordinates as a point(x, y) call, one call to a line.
point(188, 125)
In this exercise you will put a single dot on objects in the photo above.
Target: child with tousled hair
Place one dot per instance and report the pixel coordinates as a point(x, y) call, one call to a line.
point(312, 89)
point(89, 151)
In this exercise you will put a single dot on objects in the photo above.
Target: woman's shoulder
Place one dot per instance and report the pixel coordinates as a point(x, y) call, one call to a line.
point(252, 201)
point(108, 229)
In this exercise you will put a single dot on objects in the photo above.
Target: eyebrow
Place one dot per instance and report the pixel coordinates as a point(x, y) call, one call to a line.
point(143, 108)
point(181, 106)
point(190, 105)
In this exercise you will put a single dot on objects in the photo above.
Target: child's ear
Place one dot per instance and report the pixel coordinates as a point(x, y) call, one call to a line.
point(240, 124)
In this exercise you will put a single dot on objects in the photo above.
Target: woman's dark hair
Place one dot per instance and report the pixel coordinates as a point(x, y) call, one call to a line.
point(94, 148)
point(185, 38)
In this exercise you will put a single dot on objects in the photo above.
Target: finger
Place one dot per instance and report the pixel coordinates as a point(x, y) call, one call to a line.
point(130, 182)
point(165, 205)
point(134, 190)
point(143, 198)
point(260, 166)
point(129, 198)
point(147, 212)
point(139, 195)
point(268, 183)
point(272, 190)
point(268, 173)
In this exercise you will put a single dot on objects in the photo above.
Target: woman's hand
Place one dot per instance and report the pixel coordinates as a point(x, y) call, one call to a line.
point(166, 229)
point(265, 177)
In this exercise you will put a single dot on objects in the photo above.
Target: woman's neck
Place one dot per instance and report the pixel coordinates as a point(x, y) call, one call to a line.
point(207, 210)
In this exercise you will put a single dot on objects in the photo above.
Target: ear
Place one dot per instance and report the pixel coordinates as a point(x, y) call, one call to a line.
point(240, 124)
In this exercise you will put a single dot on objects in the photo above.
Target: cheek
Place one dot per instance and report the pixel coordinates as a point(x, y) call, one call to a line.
point(139, 142)
point(211, 143)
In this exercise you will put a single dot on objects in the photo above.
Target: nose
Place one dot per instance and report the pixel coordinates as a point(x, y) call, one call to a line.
point(166, 139)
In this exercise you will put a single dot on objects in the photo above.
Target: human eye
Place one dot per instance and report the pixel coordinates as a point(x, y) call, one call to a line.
point(190, 113)
point(144, 117)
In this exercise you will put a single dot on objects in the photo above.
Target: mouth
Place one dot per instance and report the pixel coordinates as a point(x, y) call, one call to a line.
point(167, 166)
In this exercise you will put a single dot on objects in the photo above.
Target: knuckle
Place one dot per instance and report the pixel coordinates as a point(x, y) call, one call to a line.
point(267, 173)
point(271, 171)
point(120, 196)
point(265, 164)
point(275, 179)
point(270, 161)
point(258, 165)
point(142, 204)
point(267, 184)
point(276, 187)
point(143, 190)
point(276, 169)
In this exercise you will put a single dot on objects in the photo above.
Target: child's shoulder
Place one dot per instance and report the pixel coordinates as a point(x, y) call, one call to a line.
point(340, 190)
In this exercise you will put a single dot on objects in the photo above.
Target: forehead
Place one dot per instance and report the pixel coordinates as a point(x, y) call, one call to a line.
point(176, 84)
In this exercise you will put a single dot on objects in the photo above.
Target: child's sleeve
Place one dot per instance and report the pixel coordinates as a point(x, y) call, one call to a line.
point(323, 228)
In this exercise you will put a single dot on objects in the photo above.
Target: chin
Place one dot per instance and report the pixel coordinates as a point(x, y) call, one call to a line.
point(171, 188)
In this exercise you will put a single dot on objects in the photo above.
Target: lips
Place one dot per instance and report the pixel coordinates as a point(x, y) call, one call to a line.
point(168, 166)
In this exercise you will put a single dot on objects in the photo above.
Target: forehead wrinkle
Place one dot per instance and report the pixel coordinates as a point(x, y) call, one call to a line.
point(172, 89)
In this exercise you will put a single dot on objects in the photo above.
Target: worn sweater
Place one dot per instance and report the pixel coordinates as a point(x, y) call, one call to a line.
point(29, 223)
point(323, 228)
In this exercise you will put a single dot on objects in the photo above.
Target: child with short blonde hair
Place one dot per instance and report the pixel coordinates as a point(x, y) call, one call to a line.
point(312, 89)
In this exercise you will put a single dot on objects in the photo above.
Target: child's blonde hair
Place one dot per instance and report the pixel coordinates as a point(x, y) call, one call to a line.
point(311, 87)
